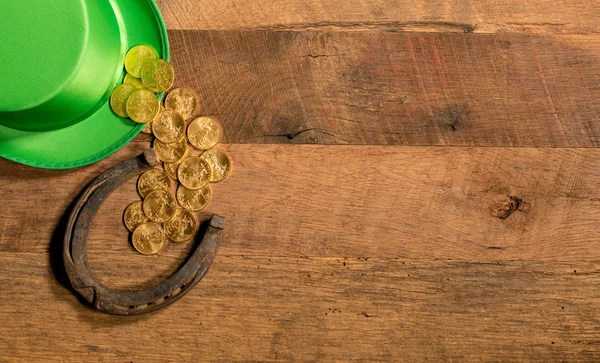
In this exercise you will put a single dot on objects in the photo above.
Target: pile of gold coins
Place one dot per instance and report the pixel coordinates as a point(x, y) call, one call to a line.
point(163, 216)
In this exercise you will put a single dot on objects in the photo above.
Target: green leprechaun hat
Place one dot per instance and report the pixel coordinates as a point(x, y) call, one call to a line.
point(60, 61)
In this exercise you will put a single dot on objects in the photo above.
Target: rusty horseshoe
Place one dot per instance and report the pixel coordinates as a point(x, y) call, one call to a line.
point(129, 302)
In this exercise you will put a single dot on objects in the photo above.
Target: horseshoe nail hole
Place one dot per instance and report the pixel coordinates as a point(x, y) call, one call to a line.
point(182, 287)
point(166, 297)
point(150, 303)
point(131, 307)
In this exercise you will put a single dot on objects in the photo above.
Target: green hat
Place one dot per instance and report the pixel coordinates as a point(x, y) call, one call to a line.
point(60, 62)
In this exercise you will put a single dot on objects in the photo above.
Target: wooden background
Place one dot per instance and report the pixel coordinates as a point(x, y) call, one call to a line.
point(414, 181)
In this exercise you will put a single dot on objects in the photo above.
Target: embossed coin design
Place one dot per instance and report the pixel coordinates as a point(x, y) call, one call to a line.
point(119, 97)
point(143, 106)
point(171, 152)
point(194, 200)
point(168, 126)
point(147, 128)
point(135, 82)
point(171, 168)
point(157, 75)
point(194, 173)
point(151, 180)
point(134, 216)
point(137, 57)
point(204, 132)
point(183, 100)
point(219, 162)
point(159, 206)
point(149, 238)
point(182, 227)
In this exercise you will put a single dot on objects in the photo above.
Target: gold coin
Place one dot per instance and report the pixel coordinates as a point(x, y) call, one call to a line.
point(119, 97)
point(182, 227)
point(170, 152)
point(157, 75)
point(149, 238)
point(194, 173)
point(137, 57)
point(168, 126)
point(219, 162)
point(135, 82)
point(194, 200)
point(159, 206)
point(183, 100)
point(147, 128)
point(171, 168)
point(152, 180)
point(134, 216)
point(142, 106)
point(204, 132)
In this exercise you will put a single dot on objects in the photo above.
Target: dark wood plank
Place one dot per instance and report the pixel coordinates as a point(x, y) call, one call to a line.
point(324, 309)
point(387, 88)
point(356, 201)
point(539, 16)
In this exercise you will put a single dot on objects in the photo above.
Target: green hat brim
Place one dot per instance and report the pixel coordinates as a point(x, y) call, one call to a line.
point(103, 132)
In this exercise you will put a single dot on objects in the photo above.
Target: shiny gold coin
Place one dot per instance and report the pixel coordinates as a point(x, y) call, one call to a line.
point(194, 173)
point(194, 200)
point(159, 206)
point(204, 132)
point(135, 82)
point(168, 126)
point(219, 162)
point(142, 106)
point(119, 97)
point(147, 128)
point(149, 238)
point(157, 75)
point(137, 57)
point(182, 227)
point(183, 100)
point(134, 216)
point(151, 180)
point(171, 168)
point(171, 152)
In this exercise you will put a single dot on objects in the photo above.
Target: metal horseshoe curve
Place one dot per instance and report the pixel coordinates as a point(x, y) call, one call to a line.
point(129, 302)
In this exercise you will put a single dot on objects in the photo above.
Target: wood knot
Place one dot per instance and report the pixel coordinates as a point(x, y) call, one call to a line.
point(506, 207)
point(454, 116)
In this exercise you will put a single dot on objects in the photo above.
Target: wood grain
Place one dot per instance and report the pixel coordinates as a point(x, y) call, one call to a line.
point(386, 88)
point(413, 181)
point(323, 309)
point(540, 16)
point(357, 201)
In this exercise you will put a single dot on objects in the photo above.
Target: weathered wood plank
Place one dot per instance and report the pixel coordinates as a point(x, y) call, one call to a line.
point(325, 309)
point(386, 88)
point(452, 253)
point(356, 201)
point(541, 16)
